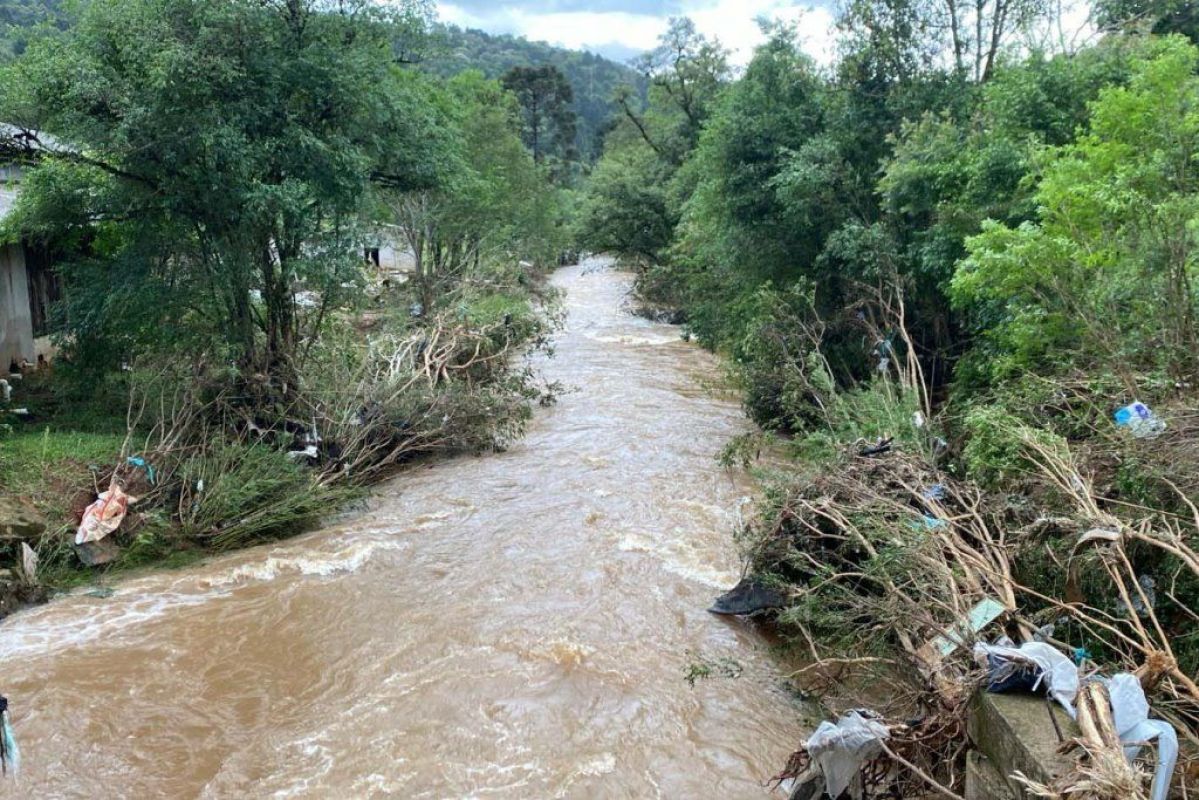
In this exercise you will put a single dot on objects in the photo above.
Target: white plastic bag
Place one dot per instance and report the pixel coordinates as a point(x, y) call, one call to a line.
point(103, 516)
point(1130, 712)
point(1058, 673)
point(841, 749)
point(28, 563)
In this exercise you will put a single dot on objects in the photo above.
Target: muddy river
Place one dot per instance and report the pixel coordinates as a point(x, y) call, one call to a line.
point(516, 625)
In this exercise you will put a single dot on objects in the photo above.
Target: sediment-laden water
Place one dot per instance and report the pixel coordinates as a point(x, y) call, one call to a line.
point(515, 625)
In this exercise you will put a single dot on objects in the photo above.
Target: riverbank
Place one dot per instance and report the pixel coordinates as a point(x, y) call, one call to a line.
point(203, 461)
point(1056, 510)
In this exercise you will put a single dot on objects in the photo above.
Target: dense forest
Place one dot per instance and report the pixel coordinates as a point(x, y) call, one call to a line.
point(446, 51)
point(593, 78)
point(19, 17)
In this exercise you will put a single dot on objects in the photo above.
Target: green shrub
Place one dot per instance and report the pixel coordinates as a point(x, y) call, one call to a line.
point(238, 494)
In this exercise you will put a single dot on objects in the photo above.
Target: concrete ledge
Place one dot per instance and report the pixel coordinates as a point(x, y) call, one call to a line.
point(983, 781)
point(1015, 733)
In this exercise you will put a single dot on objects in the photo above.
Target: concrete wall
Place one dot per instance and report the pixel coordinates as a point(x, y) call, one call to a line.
point(16, 323)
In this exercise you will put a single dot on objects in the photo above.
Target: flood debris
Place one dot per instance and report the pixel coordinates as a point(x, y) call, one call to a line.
point(28, 563)
point(1033, 666)
point(1113, 717)
point(1140, 421)
point(750, 596)
point(981, 615)
point(878, 591)
point(883, 445)
point(10, 754)
point(840, 749)
point(104, 515)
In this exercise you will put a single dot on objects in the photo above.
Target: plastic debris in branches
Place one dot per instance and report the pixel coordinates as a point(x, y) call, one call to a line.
point(1130, 711)
point(1140, 421)
point(981, 615)
point(1009, 668)
point(841, 749)
point(1058, 675)
point(137, 462)
point(934, 492)
point(104, 515)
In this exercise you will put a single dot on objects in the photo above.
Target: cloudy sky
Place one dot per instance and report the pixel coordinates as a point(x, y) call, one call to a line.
point(621, 29)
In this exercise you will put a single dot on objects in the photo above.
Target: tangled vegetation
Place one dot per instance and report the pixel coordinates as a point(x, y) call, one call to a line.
point(940, 269)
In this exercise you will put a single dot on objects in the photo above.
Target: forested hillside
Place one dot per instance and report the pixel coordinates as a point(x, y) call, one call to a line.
point(593, 78)
point(448, 51)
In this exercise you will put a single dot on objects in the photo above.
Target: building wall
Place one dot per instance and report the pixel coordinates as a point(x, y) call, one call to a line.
point(16, 322)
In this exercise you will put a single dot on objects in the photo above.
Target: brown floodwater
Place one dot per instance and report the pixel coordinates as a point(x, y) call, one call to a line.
point(515, 625)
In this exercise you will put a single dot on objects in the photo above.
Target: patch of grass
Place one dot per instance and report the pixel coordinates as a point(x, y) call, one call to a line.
point(51, 464)
point(33, 448)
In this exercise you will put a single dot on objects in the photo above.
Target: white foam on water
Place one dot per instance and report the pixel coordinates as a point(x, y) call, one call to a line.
point(649, 339)
point(79, 619)
point(65, 624)
point(601, 765)
point(679, 557)
point(281, 562)
point(308, 756)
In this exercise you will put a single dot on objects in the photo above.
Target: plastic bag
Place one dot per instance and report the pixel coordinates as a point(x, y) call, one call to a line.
point(841, 749)
point(1140, 421)
point(103, 516)
point(10, 754)
point(1059, 675)
point(28, 563)
point(1130, 712)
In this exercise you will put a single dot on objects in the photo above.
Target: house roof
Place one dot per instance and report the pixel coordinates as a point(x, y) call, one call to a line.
point(28, 139)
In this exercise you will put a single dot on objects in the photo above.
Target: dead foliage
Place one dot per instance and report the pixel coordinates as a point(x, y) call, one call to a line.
point(886, 551)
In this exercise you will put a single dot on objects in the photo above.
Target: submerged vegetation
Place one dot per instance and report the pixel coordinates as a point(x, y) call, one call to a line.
point(290, 263)
point(943, 271)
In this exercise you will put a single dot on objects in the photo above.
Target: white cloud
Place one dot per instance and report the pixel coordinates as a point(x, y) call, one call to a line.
point(592, 30)
point(734, 22)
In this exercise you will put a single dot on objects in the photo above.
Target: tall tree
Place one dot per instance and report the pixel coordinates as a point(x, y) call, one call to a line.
point(495, 201)
point(546, 102)
point(213, 157)
point(685, 73)
point(969, 35)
